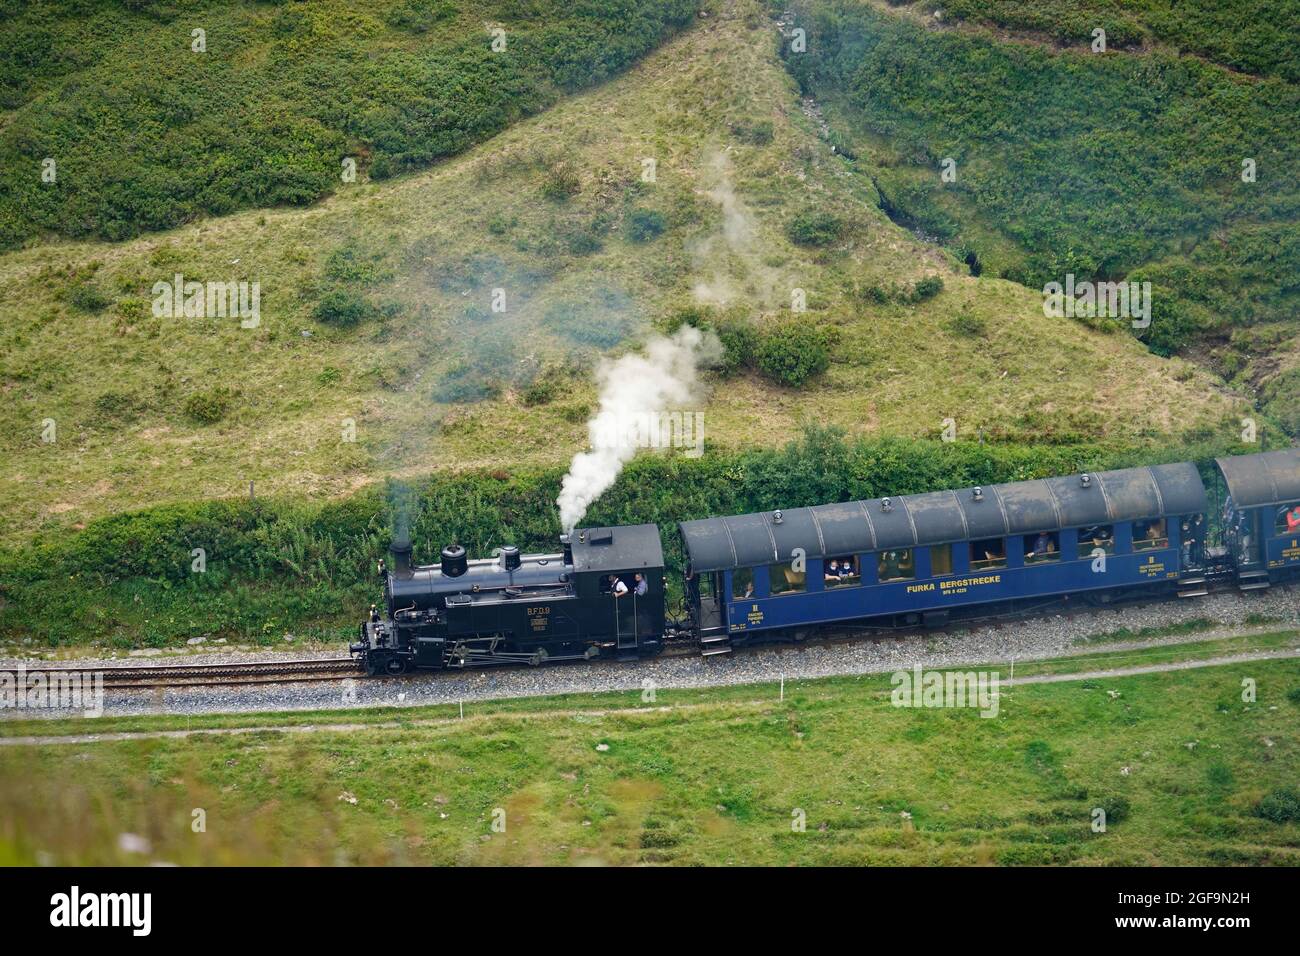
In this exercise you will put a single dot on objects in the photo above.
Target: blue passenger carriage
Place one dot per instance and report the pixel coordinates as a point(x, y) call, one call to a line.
point(934, 557)
point(1261, 516)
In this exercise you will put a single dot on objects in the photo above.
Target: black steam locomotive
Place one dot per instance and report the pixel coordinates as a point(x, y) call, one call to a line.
point(913, 560)
point(602, 596)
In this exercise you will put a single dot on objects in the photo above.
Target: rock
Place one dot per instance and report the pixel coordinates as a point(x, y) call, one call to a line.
point(196, 640)
point(602, 747)
point(347, 797)
point(132, 843)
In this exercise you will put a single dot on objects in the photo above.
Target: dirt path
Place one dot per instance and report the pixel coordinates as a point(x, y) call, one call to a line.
point(442, 721)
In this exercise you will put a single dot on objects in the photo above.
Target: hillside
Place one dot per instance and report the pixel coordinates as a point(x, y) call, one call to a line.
point(376, 310)
point(1164, 158)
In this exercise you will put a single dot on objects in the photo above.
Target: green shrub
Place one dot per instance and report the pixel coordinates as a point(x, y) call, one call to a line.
point(85, 297)
point(793, 352)
point(1280, 806)
point(740, 343)
point(927, 288)
point(1116, 807)
point(966, 324)
point(561, 183)
point(645, 224)
point(207, 407)
point(342, 308)
point(419, 16)
point(814, 228)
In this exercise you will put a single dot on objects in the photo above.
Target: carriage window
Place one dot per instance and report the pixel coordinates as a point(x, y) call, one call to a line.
point(838, 572)
point(785, 579)
point(1288, 520)
point(1042, 547)
point(989, 553)
point(940, 560)
point(896, 565)
point(742, 583)
point(1149, 534)
point(1094, 537)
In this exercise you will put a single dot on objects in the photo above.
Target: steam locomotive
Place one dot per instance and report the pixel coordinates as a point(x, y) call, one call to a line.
point(908, 561)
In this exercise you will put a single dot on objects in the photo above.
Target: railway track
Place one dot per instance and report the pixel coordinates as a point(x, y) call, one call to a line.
point(138, 677)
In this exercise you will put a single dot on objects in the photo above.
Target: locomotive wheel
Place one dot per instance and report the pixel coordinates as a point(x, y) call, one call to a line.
point(395, 665)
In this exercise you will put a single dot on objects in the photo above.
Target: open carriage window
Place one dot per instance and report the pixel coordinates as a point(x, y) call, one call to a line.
point(784, 579)
point(1096, 536)
point(896, 565)
point(987, 554)
point(742, 583)
point(842, 571)
point(1148, 535)
point(1042, 547)
point(1288, 519)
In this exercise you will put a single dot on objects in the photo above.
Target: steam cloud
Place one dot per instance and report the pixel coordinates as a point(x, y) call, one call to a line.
point(632, 388)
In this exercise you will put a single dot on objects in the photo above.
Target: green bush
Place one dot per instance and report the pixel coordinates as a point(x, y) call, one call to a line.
point(86, 297)
point(740, 343)
point(814, 228)
point(1280, 806)
point(927, 288)
point(645, 224)
point(207, 407)
point(342, 308)
point(966, 324)
point(419, 16)
point(793, 352)
point(561, 183)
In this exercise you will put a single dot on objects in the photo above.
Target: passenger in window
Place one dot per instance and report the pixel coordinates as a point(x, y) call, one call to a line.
point(832, 574)
point(749, 589)
point(846, 569)
point(890, 566)
point(1293, 519)
point(1042, 545)
point(642, 585)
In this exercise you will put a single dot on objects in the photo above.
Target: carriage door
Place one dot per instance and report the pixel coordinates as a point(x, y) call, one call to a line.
point(624, 613)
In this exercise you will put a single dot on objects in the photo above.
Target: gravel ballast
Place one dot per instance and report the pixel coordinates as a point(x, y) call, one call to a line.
point(1037, 638)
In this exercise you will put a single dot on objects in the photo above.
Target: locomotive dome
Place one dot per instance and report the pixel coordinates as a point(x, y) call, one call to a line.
point(940, 517)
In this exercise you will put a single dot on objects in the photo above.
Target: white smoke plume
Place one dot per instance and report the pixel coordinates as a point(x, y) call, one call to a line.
point(634, 389)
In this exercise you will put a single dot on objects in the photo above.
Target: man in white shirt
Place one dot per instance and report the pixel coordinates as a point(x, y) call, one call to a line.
point(616, 586)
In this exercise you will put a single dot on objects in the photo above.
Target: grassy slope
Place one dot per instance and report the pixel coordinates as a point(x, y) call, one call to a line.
point(148, 132)
point(433, 245)
point(705, 776)
point(1118, 165)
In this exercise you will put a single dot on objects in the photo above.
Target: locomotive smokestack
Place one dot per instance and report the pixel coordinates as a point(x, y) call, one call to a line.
point(400, 551)
point(568, 548)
